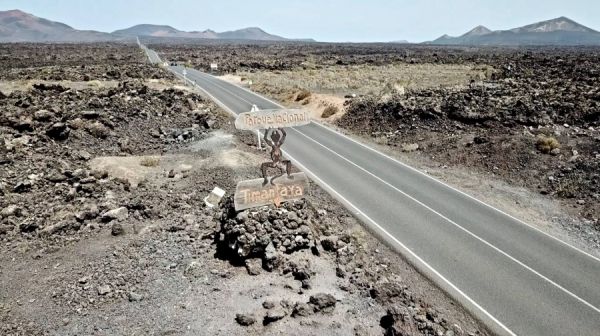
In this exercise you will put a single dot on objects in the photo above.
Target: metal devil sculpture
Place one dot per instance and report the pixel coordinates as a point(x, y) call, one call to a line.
point(274, 138)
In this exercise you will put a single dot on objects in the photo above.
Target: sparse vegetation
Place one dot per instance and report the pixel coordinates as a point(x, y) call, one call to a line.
point(546, 144)
point(302, 95)
point(365, 79)
point(329, 111)
point(150, 161)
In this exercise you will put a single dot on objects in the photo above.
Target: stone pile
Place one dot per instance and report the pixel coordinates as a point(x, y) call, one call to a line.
point(266, 232)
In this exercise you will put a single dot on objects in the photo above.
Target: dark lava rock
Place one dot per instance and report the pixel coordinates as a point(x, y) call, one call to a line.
point(302, 309)
point(28, 226)
point(323, 302)
point(117, 229)
point(90, 114)
point(273, 315)
point(480, 140)
point(263, 232)
point(58, 131)
point(329, 243)
point(268, 304)
point(22, 186)
point(245, 319)
point(23, 125)
point(49, 87)
point(398, 321)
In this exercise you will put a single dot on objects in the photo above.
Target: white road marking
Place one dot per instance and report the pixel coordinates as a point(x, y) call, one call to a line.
point(316, 178)
point(457, 190)
point(399, 243)
point(404, 247)
point(457, 225)
point(434, 211)
point(430, 177)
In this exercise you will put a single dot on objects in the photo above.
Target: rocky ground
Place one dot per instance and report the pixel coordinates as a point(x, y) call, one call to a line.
point(75, 62)
point(234, 57)
point(104, 230)
point(537, 125)
point(527, 117)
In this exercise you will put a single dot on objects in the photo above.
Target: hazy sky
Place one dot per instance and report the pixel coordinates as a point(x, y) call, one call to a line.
point(333, 20)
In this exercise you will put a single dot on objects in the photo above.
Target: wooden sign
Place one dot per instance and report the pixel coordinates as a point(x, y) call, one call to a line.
point(252, 193)
point(265, 119)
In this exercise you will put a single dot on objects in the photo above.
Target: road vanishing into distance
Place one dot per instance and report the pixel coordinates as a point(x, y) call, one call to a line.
point(515, 278)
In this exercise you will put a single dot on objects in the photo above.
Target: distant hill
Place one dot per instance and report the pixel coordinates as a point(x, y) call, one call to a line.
point(477, 31)
point(252, 33)
point(18, 26)
point(559, 31)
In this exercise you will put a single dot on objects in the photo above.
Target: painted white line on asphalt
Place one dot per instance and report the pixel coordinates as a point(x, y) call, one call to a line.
point(428, 176)
point(434, 211)
point(399, 243)
point(457, 225)
point(417, 201)
point(424, 205)
point(455, 189)
point(404, 247)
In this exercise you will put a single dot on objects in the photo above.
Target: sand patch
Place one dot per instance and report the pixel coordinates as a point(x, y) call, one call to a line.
point(136, 169)
point(318, 102)
point(234, 79)
point(234, 158)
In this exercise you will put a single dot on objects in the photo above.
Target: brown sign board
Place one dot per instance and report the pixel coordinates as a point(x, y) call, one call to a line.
point(265, 119)
point(253, 193)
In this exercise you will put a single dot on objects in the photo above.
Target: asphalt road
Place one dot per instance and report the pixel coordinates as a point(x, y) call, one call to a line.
point(515, 278)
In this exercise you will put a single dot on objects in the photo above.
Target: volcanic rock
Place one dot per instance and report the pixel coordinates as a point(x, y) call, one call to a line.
point(273, 315)
point(323, 302)
point(58, 131)
point(245, 319)
point(115, 214)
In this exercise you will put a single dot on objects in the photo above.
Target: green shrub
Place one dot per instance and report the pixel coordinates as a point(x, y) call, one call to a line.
point(329, 111)
point(546, 144)
point(302, 95)
point(150, 161)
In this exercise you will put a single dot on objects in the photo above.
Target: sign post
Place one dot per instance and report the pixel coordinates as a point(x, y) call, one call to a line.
point(279, 188)
point(255, 109)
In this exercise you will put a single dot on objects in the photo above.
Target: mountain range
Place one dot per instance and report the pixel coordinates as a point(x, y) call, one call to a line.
point(559, 31)
point(18, 26)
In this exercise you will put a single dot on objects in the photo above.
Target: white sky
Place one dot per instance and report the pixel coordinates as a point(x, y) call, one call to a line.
point(333, 20)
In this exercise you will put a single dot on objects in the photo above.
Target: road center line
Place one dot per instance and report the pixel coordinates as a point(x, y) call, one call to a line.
point(358, 211)
point(399, 243)
point(437, 213)
point(455, 189)
point(422, 173)
point(457, 225)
